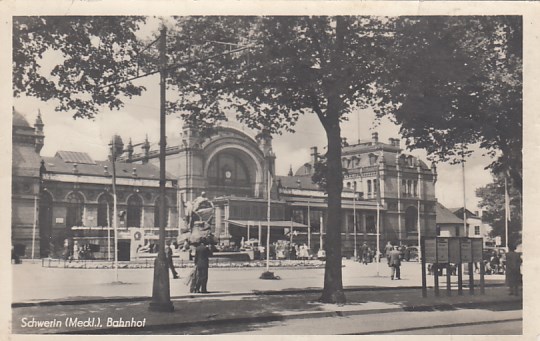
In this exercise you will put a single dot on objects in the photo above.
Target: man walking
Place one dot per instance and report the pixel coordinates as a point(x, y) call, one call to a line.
point(170, 264)
point(202, 254)
point(394, 262)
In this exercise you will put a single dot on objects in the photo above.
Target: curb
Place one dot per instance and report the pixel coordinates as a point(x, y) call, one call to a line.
point(276, 318)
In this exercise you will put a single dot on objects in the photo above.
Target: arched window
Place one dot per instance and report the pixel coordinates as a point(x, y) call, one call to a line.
point(411, 216)
point(74, 209)
point(105, 210)
point(228, 169)
point(134, 211)
point(157, 219)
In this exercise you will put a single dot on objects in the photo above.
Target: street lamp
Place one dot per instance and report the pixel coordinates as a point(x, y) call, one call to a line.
point(117, 148)
point(354, 220)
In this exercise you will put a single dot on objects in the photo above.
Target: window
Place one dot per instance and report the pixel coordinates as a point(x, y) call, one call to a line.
point(105, 210)
point(411, 216)
point(134, 211)
point(371, 226)
point(75, 208)
point(415, 188)
point(477, 230)
point(375, 189)
point(369, 188)
point(157, 217)
point(438, 230)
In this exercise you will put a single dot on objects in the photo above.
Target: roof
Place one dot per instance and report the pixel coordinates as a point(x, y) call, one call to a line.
point(19, 120)
point(445, 216)
point(56, 164)
point(300, 182)
point(75, 157)
point(458, 211)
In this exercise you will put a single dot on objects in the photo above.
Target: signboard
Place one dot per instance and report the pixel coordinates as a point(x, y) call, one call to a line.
point(430, 250)
point(453, 251)
point(442, 250)
point(466, 251)
point(477, 248)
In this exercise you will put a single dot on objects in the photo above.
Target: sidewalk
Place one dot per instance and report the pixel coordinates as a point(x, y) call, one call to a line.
point(110, 317)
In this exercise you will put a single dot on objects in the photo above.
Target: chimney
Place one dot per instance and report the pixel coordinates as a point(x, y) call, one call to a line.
point(374, 137)
point(314, 155)
point(391, 141)
point(396, 142)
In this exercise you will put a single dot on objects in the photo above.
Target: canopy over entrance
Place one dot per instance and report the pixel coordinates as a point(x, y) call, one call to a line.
point(264, 223)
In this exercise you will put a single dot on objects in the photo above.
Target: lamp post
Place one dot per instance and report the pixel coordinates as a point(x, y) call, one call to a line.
point(161, 296)
point(354, 221)
point(117, 148)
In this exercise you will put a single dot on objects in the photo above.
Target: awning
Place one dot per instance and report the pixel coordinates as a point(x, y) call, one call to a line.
point(264, 223)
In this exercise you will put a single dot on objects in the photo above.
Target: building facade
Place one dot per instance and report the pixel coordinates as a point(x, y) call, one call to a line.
point(67, 199)
point(387, 196)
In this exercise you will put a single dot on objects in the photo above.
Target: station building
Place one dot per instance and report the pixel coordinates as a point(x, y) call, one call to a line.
point(386, 192)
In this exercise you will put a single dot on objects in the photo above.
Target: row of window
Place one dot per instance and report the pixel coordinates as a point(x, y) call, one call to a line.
point(409, 188)
point(354, 161)
point(133, 215)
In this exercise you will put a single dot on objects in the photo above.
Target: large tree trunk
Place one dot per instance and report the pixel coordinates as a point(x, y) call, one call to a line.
point(333, 285)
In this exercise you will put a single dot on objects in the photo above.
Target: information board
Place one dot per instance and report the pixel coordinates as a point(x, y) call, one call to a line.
point(442, 250)
point(430, 250)
point(466, 250)
point(453, 251)
point(477, 248)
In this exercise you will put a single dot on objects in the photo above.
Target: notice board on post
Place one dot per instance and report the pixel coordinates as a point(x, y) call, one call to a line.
point(442, 250)
point(466, 250)
point(477, 249)
point(454, 253)
point(430, 250)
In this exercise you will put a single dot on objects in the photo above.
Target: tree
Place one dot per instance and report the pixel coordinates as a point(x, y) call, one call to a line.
point(270, 70)
point(493, 208)
point(464, 91)
point(88, 53)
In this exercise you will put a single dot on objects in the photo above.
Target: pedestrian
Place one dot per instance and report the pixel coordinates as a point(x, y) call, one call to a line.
point(364, 252)
point(394, 261)
point(202, 254)
point(170, 264)
point(513, 273)
point(387, 249)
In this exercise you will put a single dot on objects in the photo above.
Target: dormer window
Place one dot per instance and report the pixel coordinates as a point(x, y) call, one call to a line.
point(372, 159)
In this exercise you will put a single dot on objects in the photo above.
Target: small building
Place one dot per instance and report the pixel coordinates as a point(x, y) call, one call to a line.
point(448, 225)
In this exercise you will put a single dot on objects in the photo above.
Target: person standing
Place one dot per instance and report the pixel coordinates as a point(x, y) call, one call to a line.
point(387, 249)
point(394, 261)
point(364, 253)
point(202, 255)
point(513, 273)
point(170, 264)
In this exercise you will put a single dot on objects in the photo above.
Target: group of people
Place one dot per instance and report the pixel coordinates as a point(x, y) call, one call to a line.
point(198, 279)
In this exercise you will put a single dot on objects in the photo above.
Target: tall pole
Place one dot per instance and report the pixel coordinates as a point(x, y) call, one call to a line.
point(377, 186)
point(464, 198)
point(418, 192)
point(108, 231)
point(506, 212)
point(161, 296)
point(354, 221)
point(268, 207)
point(34, 226)
point(115, 211)
point(309, 224)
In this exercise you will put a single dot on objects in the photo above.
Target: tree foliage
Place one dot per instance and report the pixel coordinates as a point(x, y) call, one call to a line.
point(492, 203)
point(71, 59)
point(459, 82)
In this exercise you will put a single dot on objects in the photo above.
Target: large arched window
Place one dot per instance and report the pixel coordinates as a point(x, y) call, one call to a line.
point(134, 211)
point(157, 217)
point(227, 169)
point(411, 217)
point(74, 209)
point(105, 210)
